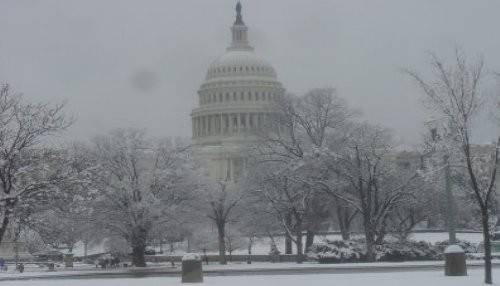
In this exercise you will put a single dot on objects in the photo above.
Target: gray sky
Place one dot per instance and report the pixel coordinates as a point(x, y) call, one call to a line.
point(134, 63)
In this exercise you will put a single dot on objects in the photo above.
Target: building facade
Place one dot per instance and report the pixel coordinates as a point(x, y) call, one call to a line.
point(235, 101)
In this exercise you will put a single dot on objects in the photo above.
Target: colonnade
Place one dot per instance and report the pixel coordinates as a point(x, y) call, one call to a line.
point(225, 123)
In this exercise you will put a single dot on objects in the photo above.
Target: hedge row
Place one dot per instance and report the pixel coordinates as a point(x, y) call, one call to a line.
point(339, 251)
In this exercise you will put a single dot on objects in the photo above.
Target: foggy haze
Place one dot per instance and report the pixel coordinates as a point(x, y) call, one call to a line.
point(140, 63)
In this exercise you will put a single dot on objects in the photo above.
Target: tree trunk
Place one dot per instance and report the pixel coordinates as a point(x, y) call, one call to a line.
point(288, 244)
point(369, 241)
point(370, 257)
point(222, 242)
point(250, 243)
point(138, 259)
point(288, 239)
point(309, 239)
point(138, 247)
point(300, 252)
point(5, 221)
point(343, 220)
point(487, 247)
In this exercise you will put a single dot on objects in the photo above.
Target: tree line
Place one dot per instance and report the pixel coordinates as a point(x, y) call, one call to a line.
point(318, 166)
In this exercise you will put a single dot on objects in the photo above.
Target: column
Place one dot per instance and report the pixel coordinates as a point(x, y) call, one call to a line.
point(199, 126)
point(228, 169)
point(247, 122)
point(238, 122)
point(202, 118)
point(210, 125)
point(220, 124)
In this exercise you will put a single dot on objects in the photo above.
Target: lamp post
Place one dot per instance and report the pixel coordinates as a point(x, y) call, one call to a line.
point(450, 208)
point(438, 133)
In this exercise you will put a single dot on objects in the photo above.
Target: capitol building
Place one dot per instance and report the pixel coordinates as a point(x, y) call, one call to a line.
point(236, 101)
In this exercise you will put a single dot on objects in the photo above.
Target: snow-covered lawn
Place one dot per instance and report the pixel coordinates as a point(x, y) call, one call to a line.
point(427, 278)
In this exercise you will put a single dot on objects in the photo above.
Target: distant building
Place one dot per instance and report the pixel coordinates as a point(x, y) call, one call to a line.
point(235, 101)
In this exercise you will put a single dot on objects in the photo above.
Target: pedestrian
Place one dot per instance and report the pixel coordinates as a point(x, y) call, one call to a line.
point(21, 267)
point(2, 264)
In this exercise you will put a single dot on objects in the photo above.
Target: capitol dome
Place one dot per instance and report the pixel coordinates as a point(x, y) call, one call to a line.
point(239, 63)
point(236, 101)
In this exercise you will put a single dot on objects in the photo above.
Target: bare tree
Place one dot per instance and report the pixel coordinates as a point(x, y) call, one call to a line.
point(220, 199)
point(302, 126)
point(23, 162)
point(366, 177)
point(455, 94)
point(289, 200)
point(141, 184)
point(421, 205)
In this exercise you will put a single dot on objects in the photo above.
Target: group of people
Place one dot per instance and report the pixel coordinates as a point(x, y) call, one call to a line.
point(3, 266)
point(107, 262)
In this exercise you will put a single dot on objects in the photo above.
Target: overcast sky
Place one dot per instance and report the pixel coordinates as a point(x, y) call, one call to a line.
point(139, 64)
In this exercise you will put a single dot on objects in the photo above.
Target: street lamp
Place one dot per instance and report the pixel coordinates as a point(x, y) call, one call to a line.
point(438, 134)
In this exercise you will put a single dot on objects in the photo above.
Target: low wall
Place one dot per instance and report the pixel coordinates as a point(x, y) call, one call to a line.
point(230, 258)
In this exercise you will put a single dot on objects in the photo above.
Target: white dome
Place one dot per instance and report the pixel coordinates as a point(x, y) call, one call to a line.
point(240, 63)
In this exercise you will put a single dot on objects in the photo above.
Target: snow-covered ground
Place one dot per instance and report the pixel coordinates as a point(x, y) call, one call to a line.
point(32, 271)
point(428, 278)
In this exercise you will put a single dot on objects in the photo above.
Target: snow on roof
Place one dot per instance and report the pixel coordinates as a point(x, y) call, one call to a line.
point(191, 256)
point(453, 249)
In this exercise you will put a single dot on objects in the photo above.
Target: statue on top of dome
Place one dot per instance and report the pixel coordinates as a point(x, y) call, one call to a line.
point(239, 19)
